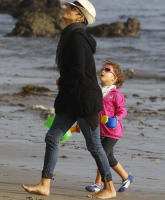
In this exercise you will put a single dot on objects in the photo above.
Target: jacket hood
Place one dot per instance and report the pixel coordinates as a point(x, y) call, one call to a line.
point(91, 41)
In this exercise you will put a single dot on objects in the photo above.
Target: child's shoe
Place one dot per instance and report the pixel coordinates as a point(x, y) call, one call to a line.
point(94, 188)
point(126, 183)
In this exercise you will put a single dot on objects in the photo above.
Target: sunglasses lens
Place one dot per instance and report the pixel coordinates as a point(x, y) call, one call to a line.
point(71, 7)
point(107, 70)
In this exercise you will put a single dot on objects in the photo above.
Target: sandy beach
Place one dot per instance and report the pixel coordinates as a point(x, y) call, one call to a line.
point(30, 60)
point(140, 151)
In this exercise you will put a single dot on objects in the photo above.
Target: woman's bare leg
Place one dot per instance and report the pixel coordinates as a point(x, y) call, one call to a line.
point(43, 188)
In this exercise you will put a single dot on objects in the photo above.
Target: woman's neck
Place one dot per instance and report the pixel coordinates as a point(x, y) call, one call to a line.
point(68, 22)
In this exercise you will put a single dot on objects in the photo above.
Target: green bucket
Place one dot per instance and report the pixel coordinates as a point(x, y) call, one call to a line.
point(67, 135)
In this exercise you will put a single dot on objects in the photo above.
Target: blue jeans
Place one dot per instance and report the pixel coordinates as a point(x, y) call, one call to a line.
point(60, 126)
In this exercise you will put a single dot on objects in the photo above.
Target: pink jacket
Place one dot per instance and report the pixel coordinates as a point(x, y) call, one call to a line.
point(113, 105)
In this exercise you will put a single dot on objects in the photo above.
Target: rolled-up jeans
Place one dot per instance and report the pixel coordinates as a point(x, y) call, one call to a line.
point(61, 124)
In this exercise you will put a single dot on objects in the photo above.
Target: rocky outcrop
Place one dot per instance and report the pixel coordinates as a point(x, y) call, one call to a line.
point(38, 19)
point(117, 29)
point(17, 7)
point(9, 6)
point(43, 18)
point(35, 6)
point(39, 24)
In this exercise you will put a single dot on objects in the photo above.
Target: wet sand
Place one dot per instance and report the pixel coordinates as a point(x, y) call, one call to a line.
point(140, 151)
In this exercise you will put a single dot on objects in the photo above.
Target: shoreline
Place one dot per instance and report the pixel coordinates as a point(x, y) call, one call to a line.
point(63, 186)
point(140, 151)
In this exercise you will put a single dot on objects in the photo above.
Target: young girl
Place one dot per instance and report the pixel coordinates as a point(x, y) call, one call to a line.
point(112, 78)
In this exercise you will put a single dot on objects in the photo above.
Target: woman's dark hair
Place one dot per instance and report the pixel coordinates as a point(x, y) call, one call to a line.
point(85, 22)
point(118, 72)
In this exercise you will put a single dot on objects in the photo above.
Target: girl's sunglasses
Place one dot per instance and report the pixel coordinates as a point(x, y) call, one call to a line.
point(72, 7)
point(106, 68)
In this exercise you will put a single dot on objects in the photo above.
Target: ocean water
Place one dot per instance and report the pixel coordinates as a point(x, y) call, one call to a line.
point(32, 58)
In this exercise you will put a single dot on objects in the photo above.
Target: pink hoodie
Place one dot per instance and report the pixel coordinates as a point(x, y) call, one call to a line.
point(113, 105)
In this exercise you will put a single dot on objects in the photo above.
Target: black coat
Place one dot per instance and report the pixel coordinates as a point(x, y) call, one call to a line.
point(79, 92)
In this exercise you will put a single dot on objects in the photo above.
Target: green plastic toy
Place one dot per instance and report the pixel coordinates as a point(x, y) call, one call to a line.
point(67, 135)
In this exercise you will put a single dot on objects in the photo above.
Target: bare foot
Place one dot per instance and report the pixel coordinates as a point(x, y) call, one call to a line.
point(104, 194)
point(41, 188)
point(107, 193)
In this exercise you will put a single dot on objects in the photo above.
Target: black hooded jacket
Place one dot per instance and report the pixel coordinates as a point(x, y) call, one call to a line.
point(79, 92)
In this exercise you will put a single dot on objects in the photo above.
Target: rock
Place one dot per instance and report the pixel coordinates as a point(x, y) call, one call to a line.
point(38, 19)
point(29, 90)
point(63, 156)
point(128, 74)
point(135, 95)
point(38, 107)
point(117, 29)
point(38, 24)
point(35, 5)
point(47, 112)
point(153, 98)
point(53, 3)
point(32, 5)
point(9, 6)
point(35, 88)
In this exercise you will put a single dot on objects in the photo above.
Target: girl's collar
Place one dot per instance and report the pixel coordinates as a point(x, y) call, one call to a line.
point(108, 86)
point(106, 89)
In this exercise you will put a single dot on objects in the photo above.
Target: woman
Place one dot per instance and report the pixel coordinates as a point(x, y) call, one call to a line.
point(79, 97)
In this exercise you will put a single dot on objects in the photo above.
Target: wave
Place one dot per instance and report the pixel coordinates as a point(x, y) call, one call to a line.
point(143, 75)
point(129, 74)
point(128, 48)
point(153, 30)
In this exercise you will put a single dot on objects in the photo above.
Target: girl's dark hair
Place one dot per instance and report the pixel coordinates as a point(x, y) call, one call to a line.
point(118, 72)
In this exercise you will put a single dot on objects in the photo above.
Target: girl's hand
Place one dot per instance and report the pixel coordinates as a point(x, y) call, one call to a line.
point(117, 120)
point(57, 83)
point(78, 128)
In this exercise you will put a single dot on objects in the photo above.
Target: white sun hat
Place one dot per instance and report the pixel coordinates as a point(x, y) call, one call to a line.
point(86, 8)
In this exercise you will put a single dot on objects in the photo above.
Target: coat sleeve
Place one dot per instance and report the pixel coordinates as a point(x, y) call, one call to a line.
point(77, 53)
point(119, 101)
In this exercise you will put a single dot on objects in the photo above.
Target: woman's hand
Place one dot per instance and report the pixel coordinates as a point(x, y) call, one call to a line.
point(78, 128)
point(57, 83)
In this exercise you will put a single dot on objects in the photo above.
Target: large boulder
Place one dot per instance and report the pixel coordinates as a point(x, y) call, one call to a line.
point(17, 7)
point(117, 29)
point(9, 6)
point(39, 24)
point(35, 5)
point(38, 18)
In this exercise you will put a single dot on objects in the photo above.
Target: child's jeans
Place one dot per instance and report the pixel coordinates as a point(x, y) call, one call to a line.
point(60, 126)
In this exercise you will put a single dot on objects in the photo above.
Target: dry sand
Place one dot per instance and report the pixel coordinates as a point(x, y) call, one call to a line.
point(140, 151)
